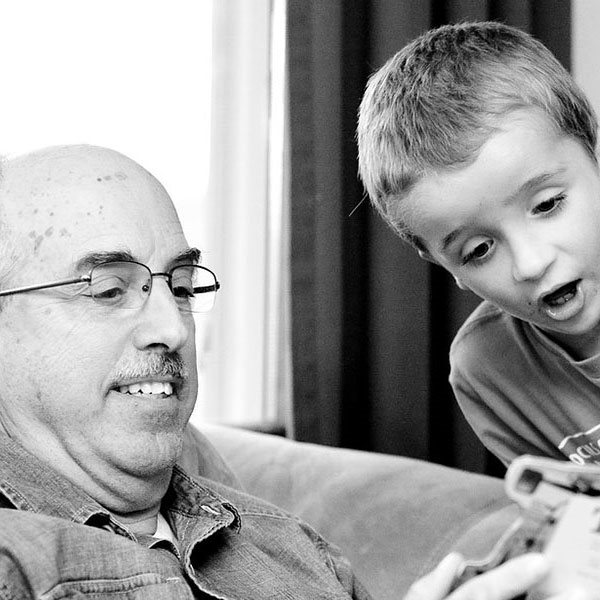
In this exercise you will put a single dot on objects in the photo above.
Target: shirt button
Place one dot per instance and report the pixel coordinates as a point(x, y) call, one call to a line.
point(210, 510)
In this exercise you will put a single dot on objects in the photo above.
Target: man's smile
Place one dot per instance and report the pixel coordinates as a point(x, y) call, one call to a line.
point(147, 387)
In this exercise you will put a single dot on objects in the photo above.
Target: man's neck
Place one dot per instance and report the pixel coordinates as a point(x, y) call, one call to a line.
point(134, 499)
point(140, 523)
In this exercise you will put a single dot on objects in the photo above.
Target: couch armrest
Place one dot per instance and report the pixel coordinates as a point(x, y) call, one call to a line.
point(393, 517)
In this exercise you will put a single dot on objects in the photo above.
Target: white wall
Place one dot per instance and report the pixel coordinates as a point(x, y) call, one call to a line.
point(133, 75)
point(586, 48)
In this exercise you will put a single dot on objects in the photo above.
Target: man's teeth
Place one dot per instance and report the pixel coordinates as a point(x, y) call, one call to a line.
point(148, 387)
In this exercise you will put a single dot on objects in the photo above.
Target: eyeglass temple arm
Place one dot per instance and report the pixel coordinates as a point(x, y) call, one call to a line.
point(84, 279)
point(43, 286)
point(207, 288)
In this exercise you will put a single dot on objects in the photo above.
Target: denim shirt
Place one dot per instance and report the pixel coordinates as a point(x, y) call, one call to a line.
point(60, 543)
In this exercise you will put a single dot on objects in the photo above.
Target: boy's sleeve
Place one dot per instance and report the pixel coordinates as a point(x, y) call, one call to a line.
point(485, 423)
point(501, 425)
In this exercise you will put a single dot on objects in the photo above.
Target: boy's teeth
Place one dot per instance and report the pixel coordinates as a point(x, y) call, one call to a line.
point(561, 295)
point(563, 299)
point(148, 387)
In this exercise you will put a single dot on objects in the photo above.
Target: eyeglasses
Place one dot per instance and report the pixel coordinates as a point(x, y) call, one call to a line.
point(127, 284)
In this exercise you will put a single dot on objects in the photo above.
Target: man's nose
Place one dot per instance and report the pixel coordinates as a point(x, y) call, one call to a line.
point(161, 323)
point(531, 258)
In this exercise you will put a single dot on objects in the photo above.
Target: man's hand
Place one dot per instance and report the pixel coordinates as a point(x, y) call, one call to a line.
point(507, 581)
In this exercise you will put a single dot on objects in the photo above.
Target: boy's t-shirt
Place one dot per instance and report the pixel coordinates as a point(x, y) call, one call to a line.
point(522, 393)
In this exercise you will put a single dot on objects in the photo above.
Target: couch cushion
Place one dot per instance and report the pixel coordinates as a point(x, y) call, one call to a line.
point(200, 457)
point(393, 517)
point(478, 540)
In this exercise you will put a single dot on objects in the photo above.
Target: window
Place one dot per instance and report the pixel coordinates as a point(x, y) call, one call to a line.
point(205, 115)
point(133, 75)
point(585, 46)
point(244, 343)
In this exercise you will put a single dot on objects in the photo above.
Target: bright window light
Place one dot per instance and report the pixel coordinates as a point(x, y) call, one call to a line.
point(133, 75)
point(139, 76)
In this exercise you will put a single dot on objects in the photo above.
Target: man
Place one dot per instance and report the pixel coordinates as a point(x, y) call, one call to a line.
point(97, 290)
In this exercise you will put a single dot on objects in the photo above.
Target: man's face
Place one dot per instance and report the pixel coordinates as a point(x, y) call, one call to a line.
point(521, 226)
point(66, 360)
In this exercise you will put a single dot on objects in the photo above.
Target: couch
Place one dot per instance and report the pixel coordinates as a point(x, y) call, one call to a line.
point(393, 517)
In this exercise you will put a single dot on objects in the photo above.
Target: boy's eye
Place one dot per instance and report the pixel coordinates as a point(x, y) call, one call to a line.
point(477, 251)
point(548, 205)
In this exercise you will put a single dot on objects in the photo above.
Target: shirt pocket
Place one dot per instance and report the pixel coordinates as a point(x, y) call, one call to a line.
point(145, 586)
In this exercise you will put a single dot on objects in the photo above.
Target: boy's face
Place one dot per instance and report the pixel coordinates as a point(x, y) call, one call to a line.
point(520, 226)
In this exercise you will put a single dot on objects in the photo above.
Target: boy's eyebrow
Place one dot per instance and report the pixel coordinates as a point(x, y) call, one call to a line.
point(527, 187)
point(449, 239)
point(533, 183)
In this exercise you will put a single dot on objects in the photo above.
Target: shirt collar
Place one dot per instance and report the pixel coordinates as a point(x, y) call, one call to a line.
point(29, 484)
point(187, 497)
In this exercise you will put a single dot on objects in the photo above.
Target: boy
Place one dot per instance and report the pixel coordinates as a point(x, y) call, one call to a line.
point(478, 148)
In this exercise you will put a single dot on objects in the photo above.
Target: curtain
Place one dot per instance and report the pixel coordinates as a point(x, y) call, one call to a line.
point(371, 322)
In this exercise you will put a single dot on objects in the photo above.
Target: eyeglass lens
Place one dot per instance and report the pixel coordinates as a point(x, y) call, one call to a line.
point(128, 285)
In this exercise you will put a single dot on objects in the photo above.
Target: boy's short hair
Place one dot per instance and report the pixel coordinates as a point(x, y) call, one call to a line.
point(435, 103)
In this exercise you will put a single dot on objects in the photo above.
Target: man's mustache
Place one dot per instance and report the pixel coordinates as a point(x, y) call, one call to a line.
point(149, 366)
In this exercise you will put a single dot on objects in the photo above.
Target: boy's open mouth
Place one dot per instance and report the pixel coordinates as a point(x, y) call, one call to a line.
point(561, 295)
point(565, 302)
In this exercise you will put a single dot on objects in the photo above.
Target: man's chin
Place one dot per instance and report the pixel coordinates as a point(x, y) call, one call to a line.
point(154, 455)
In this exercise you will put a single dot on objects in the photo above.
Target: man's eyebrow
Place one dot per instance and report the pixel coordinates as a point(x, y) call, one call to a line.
point(86, 262)
point(191, 255)
point(527, 187)
point(98, 258)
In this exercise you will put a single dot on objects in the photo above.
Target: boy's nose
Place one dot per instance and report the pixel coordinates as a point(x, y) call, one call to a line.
point(531, 260)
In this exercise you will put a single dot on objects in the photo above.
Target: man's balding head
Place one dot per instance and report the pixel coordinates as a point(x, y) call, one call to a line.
point(57, 193)
point(68, 361)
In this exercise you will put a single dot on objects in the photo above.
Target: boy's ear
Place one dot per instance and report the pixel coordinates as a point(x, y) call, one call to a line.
point(460, 284)
point(426, 256)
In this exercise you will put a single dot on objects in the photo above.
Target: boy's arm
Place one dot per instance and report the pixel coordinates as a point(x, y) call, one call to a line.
point(494, 392)
point(486, 424)
point(503, 433)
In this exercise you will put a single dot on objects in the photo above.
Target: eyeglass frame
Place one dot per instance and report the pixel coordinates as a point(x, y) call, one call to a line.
point(168, 275)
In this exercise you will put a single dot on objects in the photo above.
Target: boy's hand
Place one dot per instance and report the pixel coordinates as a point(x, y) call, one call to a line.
point(505, 582)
